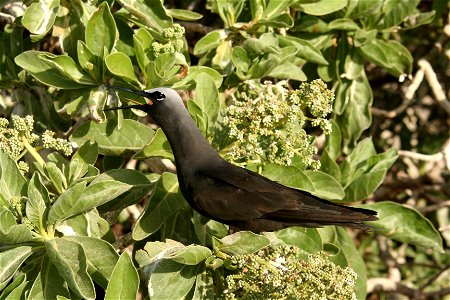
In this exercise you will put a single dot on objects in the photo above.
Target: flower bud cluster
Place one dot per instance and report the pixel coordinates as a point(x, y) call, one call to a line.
point(174, 36)
point(278, 273)
point(267, 120)
point(14, 140)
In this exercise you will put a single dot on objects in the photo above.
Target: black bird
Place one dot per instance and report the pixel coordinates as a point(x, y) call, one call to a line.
point(230, 194)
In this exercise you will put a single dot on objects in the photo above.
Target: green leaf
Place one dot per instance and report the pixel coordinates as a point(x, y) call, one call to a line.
point(229, 10)
point(288, 70)
point(343, 24)
point(329, 165)
point(158, 147)
point(325, 185)
point(333, 141)
point(223, 55)
point(363, 186)
point(38, 199)
point(395, 11)
point(275, 8)
point(120, 65)
point(48, 284)
point(62, 206)
point(132, 136)
point(322, 7)
point(14, 289)
point(184, 14)
point(10, 232)
point(306, 50)
point(190, 255)
point(210, 41)
point(140, 186)
point(242, 242)
point(391, 55)
point(405, 224)
point(66, 66)
point(56, 176)
point(101, 255)
point(101, 31)
point(164, 202)
point(86, 155)
point(124, 283)
point(307, 239)
point(40, 16)
point(204, 285)
point(289, 176)
point(207, 98)
point(11, 260)
point(45, 71)
point(70, 260)
point(150, 12)
point(418, 19)
point(190, 80)
point(12, 182)
point(357, 116)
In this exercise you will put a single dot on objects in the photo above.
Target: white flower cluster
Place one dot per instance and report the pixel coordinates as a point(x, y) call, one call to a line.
point(267, 120)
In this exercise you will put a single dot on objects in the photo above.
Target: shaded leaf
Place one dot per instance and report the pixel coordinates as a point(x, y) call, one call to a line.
point(38, 199)
point(11, 260)
point(12, 182)
point(124, 281)
point(101, 31)
point(242, 242)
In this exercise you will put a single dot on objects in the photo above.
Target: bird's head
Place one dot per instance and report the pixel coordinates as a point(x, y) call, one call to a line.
point(154, 98)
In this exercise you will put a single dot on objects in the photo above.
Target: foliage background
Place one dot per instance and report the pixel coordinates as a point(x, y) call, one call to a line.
point(386, 61)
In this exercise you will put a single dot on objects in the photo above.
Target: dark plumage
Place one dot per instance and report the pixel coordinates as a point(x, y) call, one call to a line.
point(230, 194)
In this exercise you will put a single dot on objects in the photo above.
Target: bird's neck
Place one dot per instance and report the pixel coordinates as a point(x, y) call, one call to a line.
point(190, 148)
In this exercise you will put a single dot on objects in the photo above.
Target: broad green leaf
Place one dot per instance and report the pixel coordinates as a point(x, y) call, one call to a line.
point(101, 255)
point(120, 65)
point(184, 14)
point(229, 11)
point(10, 232)
point(12, 182)
point(240, 59)
point(132, 136)
point(210, 41)
point(14, 288)
point(92, 196)
point(150, 12)
point(70, 260)
point(343, 24)
point(11, 260)
point(45, 71)
point(158, 147)
point(240, 243)
point(322, 7)
point(307, 239)
point(281, 21)
point(405, 224)
point(329, 166)
point(288, 70)
point(190, 80)
point(325, 185)
point(306, 50)
point(190, 255)
point(364, 37)
point(362, 152)
point(333, 141)
point(124, 283)
point(357, 116)
point(418, 19)
point(142, 41)
point(38, 199)
point(87, 60)
point(40, 16)
point(199, 117)
point(67, 67)
point(101, 31)
point(48, 284)
point(289, 176)
point(155, 250)
point(56, 176)
point(363, 186)
point(85, 224)
point(86, 155)
point(391, 55)
point(275, 8)
point(169, 279)
point(395, 11)
point(164, 202)
point(223, 55)
point(63, 205)
point(140, 186)
point(207, 98)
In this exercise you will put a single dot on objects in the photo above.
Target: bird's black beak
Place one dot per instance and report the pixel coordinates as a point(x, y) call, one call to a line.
point(147, 96)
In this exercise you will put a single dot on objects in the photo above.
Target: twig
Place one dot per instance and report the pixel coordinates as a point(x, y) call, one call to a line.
point(419, 156)
point(435, 86)
point(123, 241)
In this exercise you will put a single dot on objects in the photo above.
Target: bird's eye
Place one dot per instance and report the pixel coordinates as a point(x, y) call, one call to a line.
point(158, 96)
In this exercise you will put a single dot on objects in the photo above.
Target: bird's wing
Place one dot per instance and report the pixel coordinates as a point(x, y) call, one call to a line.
point(240, 194)
point(233, 193)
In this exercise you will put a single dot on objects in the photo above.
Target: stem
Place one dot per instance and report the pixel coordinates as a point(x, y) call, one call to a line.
point(33, 152)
